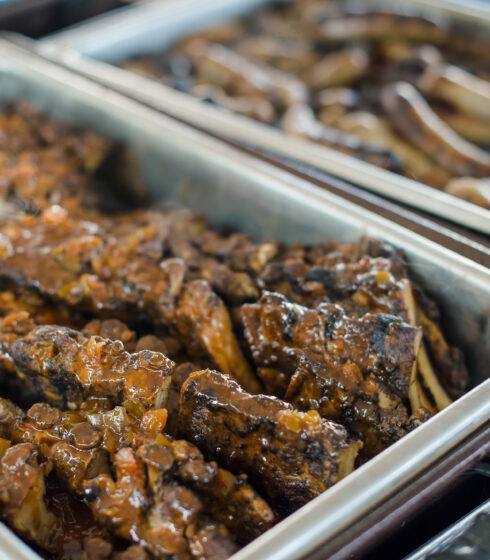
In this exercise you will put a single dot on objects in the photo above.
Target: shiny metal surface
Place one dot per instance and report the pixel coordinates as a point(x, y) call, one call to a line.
point(91, 48)
point(464, 525)
point(231, 188)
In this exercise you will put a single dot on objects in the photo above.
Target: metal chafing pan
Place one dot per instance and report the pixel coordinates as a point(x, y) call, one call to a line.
point(464, 538)
point(232, 188)
point(93, 47)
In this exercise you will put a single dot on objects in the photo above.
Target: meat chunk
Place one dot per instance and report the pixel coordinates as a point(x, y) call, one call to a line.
point(278, 331)
point(122, 274)
point(205, 324)
point(366, 405)
point(368, 285)
point(107, 267)
point(22, 496)
point(290, 456)
point(43, 162)
point(112, 329)
point(164, 517)
point(70, 368)
point(79, 444)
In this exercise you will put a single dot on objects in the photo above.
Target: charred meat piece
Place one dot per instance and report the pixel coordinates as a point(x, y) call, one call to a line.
point(367, 285)
point(415, 120)
point(204, 323)
point(143, 506)
point(278, 332)
point(79, 444)
point(290, 456)
point(70, 368)
point(300, 120)
point(367, 406)
point(22, 496)
point(44, 162)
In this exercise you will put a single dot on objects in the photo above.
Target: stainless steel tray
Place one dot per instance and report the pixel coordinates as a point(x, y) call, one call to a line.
point(232, 188)
point(459, 539)
point(91, 48)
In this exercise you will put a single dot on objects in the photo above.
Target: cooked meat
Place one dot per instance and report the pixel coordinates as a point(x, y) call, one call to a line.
point(278, 332)
point(290, 456)
point(229, 70)
point(366, 405)
point(414, 119)
point(126, 280)
point(43, 162)
point(300, 120)
point(466, 92)
point(70, 368)
point(108, 319)
point(340, 68)
point(78, 444)
point(287, 55)
point(287, 65)
point(108, 267)
point(370, 284)
point(141, 505)
point(238, 251)
point(179, 375)
point(32, 509)
point(113, 329)
point(376, 130)
point(204, 323)
point(22, 496)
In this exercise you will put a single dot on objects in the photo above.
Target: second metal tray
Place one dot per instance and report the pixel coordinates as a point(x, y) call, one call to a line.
point(91, 49)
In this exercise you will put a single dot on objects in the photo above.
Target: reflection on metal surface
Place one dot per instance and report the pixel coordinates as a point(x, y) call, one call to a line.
point(468, 539)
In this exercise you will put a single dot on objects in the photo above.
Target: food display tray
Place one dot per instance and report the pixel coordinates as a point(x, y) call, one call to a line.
point(93, 48)
point(185, 167)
